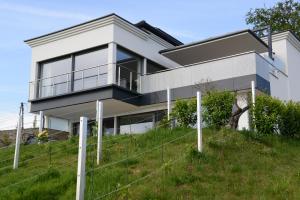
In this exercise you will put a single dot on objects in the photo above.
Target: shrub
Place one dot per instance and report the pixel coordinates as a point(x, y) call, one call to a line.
point(217, 108)
point(267, 112)
point(43, 136)
point(184, 112)
point(290, 120)
point(4, 139)
point(164, 123)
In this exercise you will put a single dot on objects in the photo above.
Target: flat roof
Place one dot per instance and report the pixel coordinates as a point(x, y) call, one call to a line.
point(142, 24)
point(216, 47)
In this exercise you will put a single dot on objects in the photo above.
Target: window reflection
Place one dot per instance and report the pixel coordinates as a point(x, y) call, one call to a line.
point(128, 65)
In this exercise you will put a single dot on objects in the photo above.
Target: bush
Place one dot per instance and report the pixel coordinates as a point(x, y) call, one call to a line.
point(43, 136)
point(4, 139)
point(290, 120)
point(164, 123)
point(184, 112)
point(267, 112)
point(217, 108)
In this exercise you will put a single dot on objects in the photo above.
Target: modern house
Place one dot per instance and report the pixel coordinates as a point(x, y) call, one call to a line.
point(129, 67)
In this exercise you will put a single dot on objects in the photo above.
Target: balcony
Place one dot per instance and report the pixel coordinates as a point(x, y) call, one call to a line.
point(233, 72)
point(83, 80)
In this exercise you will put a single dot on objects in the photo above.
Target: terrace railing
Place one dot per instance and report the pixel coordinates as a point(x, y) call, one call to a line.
point(79, 80)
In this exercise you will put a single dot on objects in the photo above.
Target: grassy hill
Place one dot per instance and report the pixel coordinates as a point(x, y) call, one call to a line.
point(161, 164)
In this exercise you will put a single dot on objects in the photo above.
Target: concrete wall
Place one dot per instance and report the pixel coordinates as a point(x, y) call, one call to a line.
point(285, 83)
point(279, 85)
point(112, 29)
point(293, 68)
point(220, 69)
point(146, 47)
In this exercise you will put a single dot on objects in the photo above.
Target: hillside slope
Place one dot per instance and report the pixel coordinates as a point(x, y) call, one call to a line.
point(161, 164)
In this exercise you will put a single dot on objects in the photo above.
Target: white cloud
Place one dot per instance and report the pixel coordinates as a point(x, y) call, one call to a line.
point(24, 9)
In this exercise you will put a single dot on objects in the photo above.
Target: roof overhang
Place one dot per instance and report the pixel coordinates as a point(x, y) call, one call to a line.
point(217, 47)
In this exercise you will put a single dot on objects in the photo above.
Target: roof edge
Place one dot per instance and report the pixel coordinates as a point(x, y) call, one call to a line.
point(158, 32)
point(70, 27)
point(215, 38)
point(142, 24)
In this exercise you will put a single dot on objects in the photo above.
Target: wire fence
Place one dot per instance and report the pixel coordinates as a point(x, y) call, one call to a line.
point(127, 159)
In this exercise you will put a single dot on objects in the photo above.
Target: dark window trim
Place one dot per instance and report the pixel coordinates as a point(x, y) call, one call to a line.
point(134, 54)
point(140, 56)
point(163, 68)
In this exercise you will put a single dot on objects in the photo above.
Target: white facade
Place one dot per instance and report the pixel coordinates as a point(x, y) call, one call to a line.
point(280, 76)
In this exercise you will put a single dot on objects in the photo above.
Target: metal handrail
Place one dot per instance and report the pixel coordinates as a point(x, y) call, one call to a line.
point(71, 72)
point(63, 82)
point(69, 79)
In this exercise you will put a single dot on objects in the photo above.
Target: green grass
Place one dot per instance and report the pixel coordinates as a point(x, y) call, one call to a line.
point(161, 164)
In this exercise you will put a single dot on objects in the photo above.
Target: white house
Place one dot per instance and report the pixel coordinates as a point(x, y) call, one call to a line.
point(129, 66)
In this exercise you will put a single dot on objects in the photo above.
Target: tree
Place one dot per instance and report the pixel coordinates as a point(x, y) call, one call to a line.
point(283, 16)
point(238, 110)
point(185, 112)
point(217, 108)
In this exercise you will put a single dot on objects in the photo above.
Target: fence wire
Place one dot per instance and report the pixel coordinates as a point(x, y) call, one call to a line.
point(122, 166)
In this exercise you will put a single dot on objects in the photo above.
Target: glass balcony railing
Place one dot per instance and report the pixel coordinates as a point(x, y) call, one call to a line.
point(127, 78)
point(81, 80)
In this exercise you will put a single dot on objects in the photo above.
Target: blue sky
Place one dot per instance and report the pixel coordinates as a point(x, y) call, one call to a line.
point(188, 20)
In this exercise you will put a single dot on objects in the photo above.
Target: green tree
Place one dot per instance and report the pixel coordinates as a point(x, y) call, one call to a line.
point(267, 113)
point(283, 16)
point(217, 108)
point(289, 124)
point(185, 112)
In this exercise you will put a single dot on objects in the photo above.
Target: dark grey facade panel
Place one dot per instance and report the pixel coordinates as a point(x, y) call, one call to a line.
point(86, 96)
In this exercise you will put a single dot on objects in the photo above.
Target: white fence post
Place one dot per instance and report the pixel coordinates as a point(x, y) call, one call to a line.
point(41, 126)
point(99, 130)
point(81, 159)
point(18, 141)
point(199, 127)
point(253, 95)
point(115, 125)
point(169, 102)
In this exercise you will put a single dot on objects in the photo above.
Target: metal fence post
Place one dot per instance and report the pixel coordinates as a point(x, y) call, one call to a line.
point(169, 107)
point(99, 130)
point(199, 127)
point(119, 75)
point(169, 103)
point(130, 80)
point(253, 95)
point(18, 140)
point(41, 126)
point(80, 187)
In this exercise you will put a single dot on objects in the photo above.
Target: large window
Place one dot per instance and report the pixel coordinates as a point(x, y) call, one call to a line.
point(140, 123)
point(55, 77)
point(90, 69)
point(72, 73)
point(128, 65)
point(136, 123)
